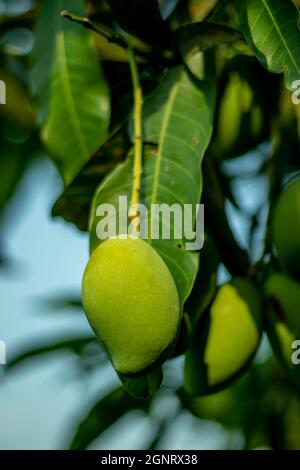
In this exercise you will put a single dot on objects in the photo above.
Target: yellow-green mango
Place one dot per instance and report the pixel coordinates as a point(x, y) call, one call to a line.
point(131, 302)
point(283, 318)
point(220, 406)
point(226, 339)
point(286, 228)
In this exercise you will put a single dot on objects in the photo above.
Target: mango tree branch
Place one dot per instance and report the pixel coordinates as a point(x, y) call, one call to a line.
point(143, 51)
point(109, 34)
point(138, 136)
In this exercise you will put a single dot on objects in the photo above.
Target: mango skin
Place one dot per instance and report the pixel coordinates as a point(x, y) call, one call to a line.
point(283, 319)
point(221, 406)
point(286, 228)
point(131, 302)
point(226, 340)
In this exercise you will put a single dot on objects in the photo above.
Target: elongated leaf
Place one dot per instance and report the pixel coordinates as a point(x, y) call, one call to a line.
point(18, 107)
point(231, 254)
point(298, 117)
point(142, 18)
point(71, 92)
point(143, 387)
point(74, 345)
point(74, 203)
point(58, 303)
point(205, 285)
point(15, 159)
point(102, 415)
point(178, 119)
point(197, 37)
point(272, 30)
point(182, 264)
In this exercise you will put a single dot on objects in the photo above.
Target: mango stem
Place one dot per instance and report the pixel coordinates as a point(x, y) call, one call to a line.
point(138, 138)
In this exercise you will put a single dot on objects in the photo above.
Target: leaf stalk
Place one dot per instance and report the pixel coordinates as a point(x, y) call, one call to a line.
point(138, 137)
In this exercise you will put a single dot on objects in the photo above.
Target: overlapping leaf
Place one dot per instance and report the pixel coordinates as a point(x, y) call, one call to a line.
point(178, 121)
point(102, 415)
point(70, 89)
point(143, 387)
point(197, 37)
point(74, 344)
point(272, 30)
point(74, 203)
point(142, 19)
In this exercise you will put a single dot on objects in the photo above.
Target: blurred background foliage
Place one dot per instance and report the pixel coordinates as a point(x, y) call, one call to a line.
point(253, 152)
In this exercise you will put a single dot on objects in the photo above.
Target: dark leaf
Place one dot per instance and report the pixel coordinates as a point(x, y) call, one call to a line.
point(271, 28)
point(197, 37)
point(73, 345)
point(205, 285)
point(178, 118)
point(142, 18)
point(74, 203)
point(102, 415)
point(143, 387)
point(70, 89)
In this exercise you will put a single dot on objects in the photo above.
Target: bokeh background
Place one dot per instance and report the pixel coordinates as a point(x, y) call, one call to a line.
point(42, 261)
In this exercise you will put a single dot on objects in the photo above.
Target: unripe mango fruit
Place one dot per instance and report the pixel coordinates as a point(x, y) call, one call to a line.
point(286, 228)
point(226, 339)
point(283, 319)
point(131, 302)
point(221, 406)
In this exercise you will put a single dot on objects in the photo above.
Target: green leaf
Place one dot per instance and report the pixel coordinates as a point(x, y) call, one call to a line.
point(102, 415)
point(19, 147)
point(205, 285)
point(59, 303)
point(178, 118)
point(15, 159)
point(197, 37)
point(143, 387)
point(18, 107)
point(73, 345)
point(70, 89)
point(235, 259)
point(184, 336)
point(142, 18)
point(195, 43)
point(74, 203)
point(271, 28)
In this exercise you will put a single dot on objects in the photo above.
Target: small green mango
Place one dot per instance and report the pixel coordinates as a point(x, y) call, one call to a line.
point(283, 319)
point(131, 302)
point(225, 340)
point(220, 406)
point(286, 228)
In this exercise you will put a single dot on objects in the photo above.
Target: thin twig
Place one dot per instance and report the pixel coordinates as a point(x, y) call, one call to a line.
point(109, 34)
point(138, 137)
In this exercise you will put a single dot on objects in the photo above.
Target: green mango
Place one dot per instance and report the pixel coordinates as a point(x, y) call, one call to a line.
point(283, 319)
point(225, 340)
point(286, 228)
point(236, 101)
point(220, 406)
point(240, 122)
point(131, 302)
